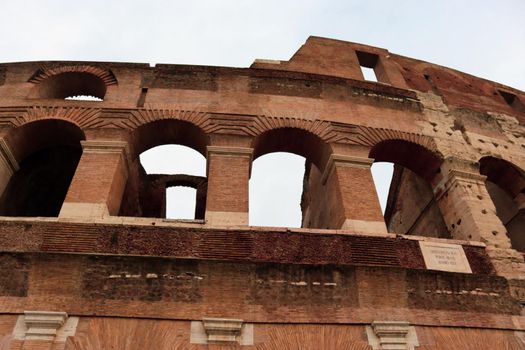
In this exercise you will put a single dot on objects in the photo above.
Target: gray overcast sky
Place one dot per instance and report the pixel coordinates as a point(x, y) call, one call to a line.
point(484, 38)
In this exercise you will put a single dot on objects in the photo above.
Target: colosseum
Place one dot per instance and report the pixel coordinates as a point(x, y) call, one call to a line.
point(89, 260)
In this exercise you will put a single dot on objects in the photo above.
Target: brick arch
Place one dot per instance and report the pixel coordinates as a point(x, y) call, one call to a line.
point(164, 131)
point(293, 140)
point(368, 136)
point(185, 180)
point(413, 156)
point(62, 81)
point(144, 116)
point(39, 134)
point(46, 71)
point(83, 118)
point(503, 173)
point(323, 129)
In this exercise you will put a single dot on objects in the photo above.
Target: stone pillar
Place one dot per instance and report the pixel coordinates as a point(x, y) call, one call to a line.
point(99, 181)
point(228, 173)
point(467, 208)
point(200, 201)
point(353, 196)
point(470, 214)
point(8, 165)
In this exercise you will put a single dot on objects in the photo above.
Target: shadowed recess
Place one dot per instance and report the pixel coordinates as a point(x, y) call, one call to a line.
point(48, 152)
point(506, 187)
point(40, 134)
point(418, 159)
point(39, 187)
point(293, 140)
point(504, 174)
point(72, 84)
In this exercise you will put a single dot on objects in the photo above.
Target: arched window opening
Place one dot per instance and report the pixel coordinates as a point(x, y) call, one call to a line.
point(167, 178)
point(48, 153)
point(180, 202)
point(286, 182)
point(72, 84)
point(163, 194)
point(276, 187)
point(293, 140)
point(506, 187)
point(407, 199)
point(173, 159)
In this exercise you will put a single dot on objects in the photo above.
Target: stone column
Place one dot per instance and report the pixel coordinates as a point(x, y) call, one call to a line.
point(470, 214)
point(352, 194)
point(8, 165)
point(467, 208)
point(99, 181)
point(228, 173)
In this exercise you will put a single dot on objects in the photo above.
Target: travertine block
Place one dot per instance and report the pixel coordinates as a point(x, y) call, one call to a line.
point(392, 335)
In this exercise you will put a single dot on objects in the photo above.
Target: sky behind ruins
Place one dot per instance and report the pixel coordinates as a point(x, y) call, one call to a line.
point(483, 38)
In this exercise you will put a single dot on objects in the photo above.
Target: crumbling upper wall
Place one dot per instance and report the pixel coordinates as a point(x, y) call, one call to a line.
point(458, 89)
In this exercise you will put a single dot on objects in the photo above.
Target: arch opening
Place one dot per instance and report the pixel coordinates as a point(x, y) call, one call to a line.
point(506, 186)
point(292, 140)
point(410, 206)
point(168, 172)
point(418, 159)
point(48, 152)
point(276, 189)
point(280, 188)
point(180, 202)
point(69, 85)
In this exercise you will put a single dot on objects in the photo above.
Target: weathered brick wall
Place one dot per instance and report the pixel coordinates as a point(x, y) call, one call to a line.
point(248, 245)
point(259, 292)
point(310, 288)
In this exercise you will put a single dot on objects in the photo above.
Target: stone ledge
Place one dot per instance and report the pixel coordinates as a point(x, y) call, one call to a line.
point(221, 330)
point(44, 326)
point(243, 243)
point(392, 335)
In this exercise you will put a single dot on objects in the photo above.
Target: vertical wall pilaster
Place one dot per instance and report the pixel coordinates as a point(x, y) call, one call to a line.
point(99, 181)
point(470, 214)
point(355, 204)
point(8, 165)
point(468, 210)
point(228, 175)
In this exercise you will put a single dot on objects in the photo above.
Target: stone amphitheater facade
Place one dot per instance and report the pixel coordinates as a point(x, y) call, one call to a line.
point(89, 260)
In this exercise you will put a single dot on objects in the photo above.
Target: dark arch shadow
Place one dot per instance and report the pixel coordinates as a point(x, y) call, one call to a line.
point(48, 152)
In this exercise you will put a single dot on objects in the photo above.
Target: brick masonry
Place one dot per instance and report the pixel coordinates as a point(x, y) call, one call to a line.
point(137, 282)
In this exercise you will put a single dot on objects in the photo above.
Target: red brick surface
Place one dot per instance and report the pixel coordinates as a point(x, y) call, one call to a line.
point(312, 288)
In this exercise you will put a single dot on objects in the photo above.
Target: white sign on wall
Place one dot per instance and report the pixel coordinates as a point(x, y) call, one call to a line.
point(444, 257)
